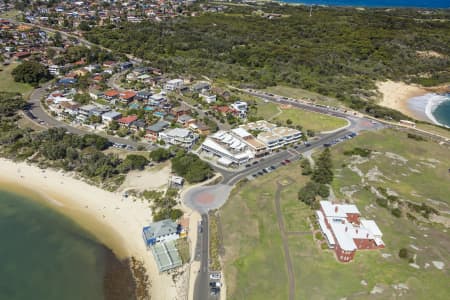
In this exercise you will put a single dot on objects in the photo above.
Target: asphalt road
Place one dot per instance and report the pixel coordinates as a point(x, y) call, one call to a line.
point(201, 287)
point(230, 177)
point(40, 114)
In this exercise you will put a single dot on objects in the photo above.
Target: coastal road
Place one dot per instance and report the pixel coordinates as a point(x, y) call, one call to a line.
point(205, 198)
point(201, 287)
point(36, 110)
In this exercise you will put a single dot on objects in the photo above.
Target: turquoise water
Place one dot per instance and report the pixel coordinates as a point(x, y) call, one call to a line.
point(442, 112)
point(44, 255)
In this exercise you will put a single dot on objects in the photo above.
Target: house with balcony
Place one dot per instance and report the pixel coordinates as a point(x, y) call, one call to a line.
point(179, 136)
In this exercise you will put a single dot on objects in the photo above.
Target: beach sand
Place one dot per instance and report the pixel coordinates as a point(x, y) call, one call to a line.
point(397, 95)
point(113, 220)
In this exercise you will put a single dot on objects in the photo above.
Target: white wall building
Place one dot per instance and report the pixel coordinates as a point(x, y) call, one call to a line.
point(174, 84)
point(229, 147)
point(179, 136)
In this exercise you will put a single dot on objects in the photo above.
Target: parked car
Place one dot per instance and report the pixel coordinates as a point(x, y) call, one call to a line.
point(215, 276)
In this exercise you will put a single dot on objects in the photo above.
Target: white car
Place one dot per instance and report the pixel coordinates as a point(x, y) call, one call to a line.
point(215, 276)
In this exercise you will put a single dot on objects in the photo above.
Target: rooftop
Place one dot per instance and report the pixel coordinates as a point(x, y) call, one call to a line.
point(160, 228)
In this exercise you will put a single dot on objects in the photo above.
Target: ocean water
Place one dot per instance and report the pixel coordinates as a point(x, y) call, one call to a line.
point(44, 255)
point(442, 112)
point(377, 3)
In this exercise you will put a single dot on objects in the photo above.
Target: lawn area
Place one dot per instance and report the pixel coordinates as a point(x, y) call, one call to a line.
point(254, 258)
point(298, 93)
point(7, 83)
point(311, 120)
point(266, 110)
point(10, 14)
point(415, 170)
point(434, 129)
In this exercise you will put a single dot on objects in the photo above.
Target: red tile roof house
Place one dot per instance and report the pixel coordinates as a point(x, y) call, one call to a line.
point(224, 110)
point(345, 232)
point(127, 96)
point(111, 94)
point(126, 121)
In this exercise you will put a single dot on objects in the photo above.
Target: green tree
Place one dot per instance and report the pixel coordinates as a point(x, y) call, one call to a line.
point(323, 170)
point(31, 72)
point(160, 154)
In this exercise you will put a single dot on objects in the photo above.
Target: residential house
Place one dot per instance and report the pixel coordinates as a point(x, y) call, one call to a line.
point(111, 95)
point(200, 128)
point(143, 96)
point(179, 136)
point(208, 98)
point(174, 84)
point(111, 116)
point(241, 107)
point(185, 120)
point(126, 121)
point(127, 96)
point(180, 110)
point(153, 131)
point(200, 87)
point(138, 125)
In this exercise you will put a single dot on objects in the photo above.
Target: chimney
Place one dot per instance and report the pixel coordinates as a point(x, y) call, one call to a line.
point(346, 228)
point(336, 208)
point(367, 235)
point(356, 230)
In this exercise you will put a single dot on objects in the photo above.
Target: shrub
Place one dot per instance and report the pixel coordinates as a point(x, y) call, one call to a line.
point(383, 202)
point(396, 212)
point(403, 253)
point(416, 137)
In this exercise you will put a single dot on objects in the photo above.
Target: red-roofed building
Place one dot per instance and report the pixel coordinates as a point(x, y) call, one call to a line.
point(111, 94)
point(126, 121)
point(224, 110)
point(127, 96)
point(21, 55)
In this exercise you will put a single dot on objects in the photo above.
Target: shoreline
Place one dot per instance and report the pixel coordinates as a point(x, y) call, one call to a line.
point(411, 100)
point(113, 220)
point(432, 105)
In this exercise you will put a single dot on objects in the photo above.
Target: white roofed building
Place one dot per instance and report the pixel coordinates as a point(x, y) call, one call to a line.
point(345, 232)
point(179, 136)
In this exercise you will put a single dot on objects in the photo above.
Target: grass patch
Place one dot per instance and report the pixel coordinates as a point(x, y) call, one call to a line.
point(10, 14)
point(7, 83)
point(214, 243)
point(415, 170)
point(182, 246)
point(254, 259)
point(434, 129)
point(266, 110)
point(311, 120)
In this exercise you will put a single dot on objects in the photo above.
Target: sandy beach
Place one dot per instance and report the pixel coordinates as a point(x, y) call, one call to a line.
point(395, 95)
point(116, 221)
point(409, 99)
